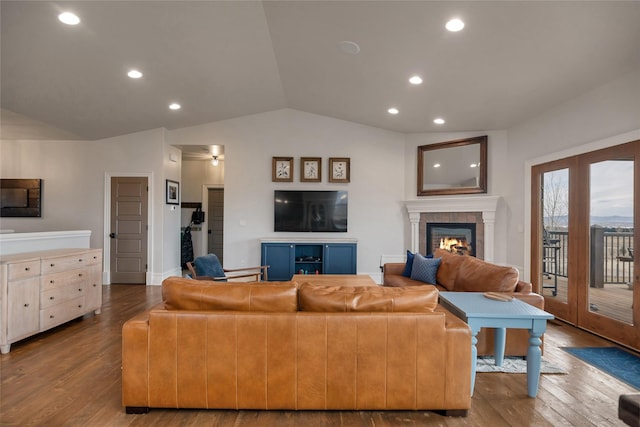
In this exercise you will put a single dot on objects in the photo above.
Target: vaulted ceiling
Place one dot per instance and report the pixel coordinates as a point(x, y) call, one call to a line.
point(224, 59)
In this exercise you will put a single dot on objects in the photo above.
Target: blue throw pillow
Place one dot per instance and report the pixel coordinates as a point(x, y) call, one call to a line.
point(409, 264)
point(209, 265)
point(407, 267)
point(425, 269)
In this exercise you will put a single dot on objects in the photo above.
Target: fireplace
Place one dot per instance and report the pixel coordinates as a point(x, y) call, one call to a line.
point(457, 238)
point(480, 210)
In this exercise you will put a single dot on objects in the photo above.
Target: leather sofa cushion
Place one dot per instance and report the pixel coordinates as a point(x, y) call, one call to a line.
point(449, 268)
point(412, 299)
point(187, 294)
point(476, 275)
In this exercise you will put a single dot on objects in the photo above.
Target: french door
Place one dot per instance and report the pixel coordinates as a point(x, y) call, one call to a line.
point(584, 211)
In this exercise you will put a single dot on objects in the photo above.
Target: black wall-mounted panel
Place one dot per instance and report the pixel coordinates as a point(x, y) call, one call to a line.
point(20, 198)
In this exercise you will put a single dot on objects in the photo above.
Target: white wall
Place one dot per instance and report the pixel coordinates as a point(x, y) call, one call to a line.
point(75, 174)
point(71, 189)
point(604, 116)
point(377, 218)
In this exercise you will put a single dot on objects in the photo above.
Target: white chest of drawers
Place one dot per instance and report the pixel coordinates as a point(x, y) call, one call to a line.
point(41, 290)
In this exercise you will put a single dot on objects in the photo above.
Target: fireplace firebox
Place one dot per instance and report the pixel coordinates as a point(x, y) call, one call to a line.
point(457, 238)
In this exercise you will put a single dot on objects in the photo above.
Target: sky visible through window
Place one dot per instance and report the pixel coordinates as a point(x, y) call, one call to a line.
point(611, 194)
point(612, 188)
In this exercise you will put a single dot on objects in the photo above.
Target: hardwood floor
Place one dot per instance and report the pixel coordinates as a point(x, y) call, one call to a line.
point(614, 300)
point(70, 376)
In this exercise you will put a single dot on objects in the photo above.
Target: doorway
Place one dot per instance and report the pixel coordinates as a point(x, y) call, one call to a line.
point(215, 224)
point(128, 230)
point(584, 210)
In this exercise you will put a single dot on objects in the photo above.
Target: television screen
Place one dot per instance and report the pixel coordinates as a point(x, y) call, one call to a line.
point(309, 211)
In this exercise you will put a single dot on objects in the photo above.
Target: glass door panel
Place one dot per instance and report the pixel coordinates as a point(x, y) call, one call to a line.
point(611, 225)
point(554, 236)
point(583, 237)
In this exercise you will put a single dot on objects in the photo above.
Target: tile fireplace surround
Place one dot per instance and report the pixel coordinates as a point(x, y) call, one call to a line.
point(478, 209)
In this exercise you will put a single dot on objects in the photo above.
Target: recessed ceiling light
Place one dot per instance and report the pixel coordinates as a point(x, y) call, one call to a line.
point(134, 74)
point(438, 121)
point(69, 18)
point(175, 106)
point(455, 25)
point(437, 165)
point(415, 80)
point(351, 48)
point(473, 165)
point(393, 111)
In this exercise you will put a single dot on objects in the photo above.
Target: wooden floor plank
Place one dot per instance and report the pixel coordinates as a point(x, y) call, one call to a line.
point(70, 376)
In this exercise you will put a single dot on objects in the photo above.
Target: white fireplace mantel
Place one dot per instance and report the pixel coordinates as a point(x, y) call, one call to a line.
point(485, 204)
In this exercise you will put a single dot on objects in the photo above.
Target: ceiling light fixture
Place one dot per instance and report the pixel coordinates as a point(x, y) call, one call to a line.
point(415, 80)
point(437, 165)
point(69, 18)
point(454, 25)
point(134, 74)
point(175, 106)
point(215, 161)
point(393, 111)
point(350, 48)
point(439, 121)
point(473, 165)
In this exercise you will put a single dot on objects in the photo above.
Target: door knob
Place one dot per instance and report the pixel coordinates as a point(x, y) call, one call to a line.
point(112, 235)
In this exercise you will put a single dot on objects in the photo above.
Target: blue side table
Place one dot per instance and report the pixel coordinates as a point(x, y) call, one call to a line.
point(481, 312)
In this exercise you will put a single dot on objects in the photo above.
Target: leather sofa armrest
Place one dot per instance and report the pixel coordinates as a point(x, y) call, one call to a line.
point(531, 298)
point(393, 268)
point(523, 287)
point(135, 357)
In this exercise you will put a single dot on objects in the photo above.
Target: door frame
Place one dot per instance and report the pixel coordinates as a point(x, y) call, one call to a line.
point(106, 260)
point(581, 149)
point(568, 311)
point(580, 314)
point(205, 225)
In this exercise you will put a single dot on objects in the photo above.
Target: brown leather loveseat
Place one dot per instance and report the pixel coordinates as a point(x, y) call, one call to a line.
point(283, 346)
point(458, 273)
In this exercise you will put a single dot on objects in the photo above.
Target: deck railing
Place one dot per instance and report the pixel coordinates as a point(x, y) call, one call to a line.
point(616, 249)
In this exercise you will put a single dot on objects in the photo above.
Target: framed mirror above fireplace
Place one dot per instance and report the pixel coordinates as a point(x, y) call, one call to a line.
point(453, 167)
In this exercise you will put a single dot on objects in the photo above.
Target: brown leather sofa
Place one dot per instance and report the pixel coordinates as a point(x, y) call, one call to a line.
point(458, 273)
point(282, 346)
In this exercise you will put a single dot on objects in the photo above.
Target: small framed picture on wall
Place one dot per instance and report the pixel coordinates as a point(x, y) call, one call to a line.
point(173, 192)
point(310, 169)
point(339, 169)
point(282, 169)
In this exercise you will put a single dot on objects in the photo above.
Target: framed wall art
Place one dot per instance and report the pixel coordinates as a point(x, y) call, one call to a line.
point(20, 198)
point(173, 192)
point(310, 169)
point(339, 169)
point(282, 169)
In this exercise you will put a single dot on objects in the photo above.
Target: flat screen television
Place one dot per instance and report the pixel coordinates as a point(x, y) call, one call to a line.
point(310, 211)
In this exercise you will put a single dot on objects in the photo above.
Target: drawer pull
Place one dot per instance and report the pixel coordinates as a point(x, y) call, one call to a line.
point(80, 260)
point(26, 304)
point(79, 289)
point(94, 285)
point(51, 316)
point(52, 298)
point(79, 274)
point(79, 305)
point(51, 281)
point(53, 265)
point(27, 269)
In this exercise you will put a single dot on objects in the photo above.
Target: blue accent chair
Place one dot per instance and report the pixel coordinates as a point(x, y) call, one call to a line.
point(208, 267)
